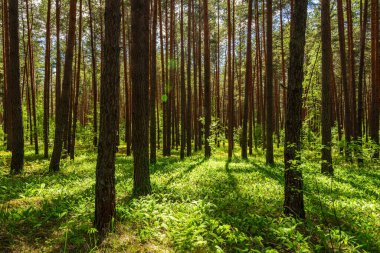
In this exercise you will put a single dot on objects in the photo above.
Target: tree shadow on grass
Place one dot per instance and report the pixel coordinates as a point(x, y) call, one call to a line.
point(40, 224)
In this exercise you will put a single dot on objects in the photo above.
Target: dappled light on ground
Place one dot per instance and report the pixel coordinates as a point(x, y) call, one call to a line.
point(197, 205)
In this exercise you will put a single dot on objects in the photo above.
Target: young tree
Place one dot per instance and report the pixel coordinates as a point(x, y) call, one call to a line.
point(14, 90)
point(269, 86)
point(294, 204)
point(327, 167)
point(140, 92)
point(63, 105)
point(248, 81)
point(207, 91)
point(109, 102)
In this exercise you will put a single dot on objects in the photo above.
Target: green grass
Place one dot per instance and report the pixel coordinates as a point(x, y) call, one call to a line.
point(197, 205)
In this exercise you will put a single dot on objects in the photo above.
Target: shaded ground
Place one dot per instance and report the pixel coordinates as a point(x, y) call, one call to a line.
point(197, 206)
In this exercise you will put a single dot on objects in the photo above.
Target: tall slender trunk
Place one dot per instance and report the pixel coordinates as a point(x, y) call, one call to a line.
point(294, 203)
point(14, 92)
point(248, 82)
point(63, 106)
point(342, 46)
point(207, 95)
point(230, 133)
point(77, 83)
point(47, 83)
point(58, 66)
point(6, 100)
point(188, 106)
point(32, 77)
point(94, 81)
point(363, 33)
point(269, 87)
point(109, 103)
point(327, 167)
point(153, 85)
point(140, 91)
point(375, 62)
point(183, 91)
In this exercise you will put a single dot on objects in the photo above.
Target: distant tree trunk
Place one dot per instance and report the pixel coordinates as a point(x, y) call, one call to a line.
point(58, 66)
point(342, 46)
point(183, 91)
point(248, 81)
point(363, 33)
point(230, 133)
point(32, 79)
point(294, 204)
point(375, 60)
point(6, 99)
point(140, 92)
point(188, 106)
point(153, 86)
point(351, 68)
point(63, 110)
point(327, 167)
point(207, 96)
point(47, 83)
point(77, 84)
point(283, 74)
point(94, 81)
point(109, 103)
point(269, 87)
point(195, 89)
point(14, 90)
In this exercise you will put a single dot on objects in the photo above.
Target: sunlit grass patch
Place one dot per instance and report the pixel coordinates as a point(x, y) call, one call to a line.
point(197, 205)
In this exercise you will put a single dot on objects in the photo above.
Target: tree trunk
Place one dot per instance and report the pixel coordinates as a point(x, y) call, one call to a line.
point(363, 33)
point(248, 82)
point(32, 79)
point(183, 91)
point(77, 83)
point(207, 96)
point(14, 90)
point(188, 106)
point(294, 204)
point(58, 66)
point(269, 87)
point(109, 103)
point(153, 86)
point(230, 116)
point(327, 167)
point(375, 54)
point(63, 106)
point(342, 46)
point(140, 92)
point(47, 83)
point(94, 81)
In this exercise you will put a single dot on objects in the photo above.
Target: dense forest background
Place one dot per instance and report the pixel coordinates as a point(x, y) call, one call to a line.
point(189, 125)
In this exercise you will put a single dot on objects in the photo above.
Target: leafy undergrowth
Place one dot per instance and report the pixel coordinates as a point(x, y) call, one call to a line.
point(197, 205)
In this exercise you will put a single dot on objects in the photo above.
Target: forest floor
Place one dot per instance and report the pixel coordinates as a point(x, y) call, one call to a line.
point(197, 205)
